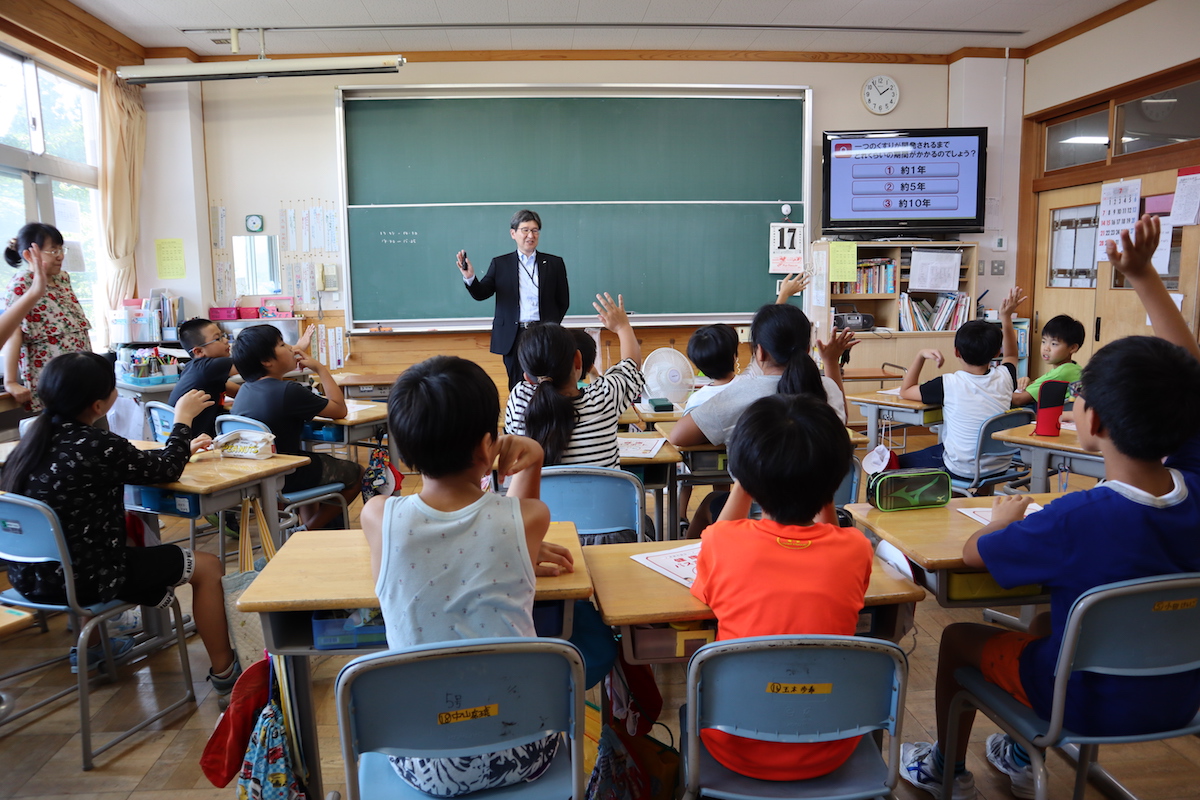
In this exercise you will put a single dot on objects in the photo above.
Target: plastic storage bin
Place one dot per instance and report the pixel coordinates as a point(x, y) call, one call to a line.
point(223, 312)
point(321, 432)
point(330, 632)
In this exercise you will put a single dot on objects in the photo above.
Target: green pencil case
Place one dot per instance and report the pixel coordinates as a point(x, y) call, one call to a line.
point(904, 489)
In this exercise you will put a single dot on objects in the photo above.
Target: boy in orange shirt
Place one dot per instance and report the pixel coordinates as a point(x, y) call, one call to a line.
point(792, 572)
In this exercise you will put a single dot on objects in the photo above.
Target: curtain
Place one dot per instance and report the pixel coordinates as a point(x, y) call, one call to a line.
point(123, 150)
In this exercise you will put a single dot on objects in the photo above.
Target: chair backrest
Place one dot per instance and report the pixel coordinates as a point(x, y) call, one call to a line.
point(24, 424)
point(597, 499)
point(986, 445)
point(847, 491)
point(1162, 613)
point(234, 422)
point(162, 419)
point(796, 689)
point(30, 533)
point(498, 693)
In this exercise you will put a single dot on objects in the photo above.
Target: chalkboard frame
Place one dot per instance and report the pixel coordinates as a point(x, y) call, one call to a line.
point(802, 93)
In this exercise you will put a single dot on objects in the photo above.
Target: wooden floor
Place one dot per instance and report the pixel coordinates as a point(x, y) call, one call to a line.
point(39, 755)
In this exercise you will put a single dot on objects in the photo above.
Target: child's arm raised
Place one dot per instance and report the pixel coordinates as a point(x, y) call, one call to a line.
point(791, 285)
point(1133, 261)
point(1008, 307)
point(910, 387)
point(613, 316)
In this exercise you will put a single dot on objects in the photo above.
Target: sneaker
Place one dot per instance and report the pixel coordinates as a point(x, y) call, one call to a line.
point(224, 686)
point(127, 623)
point(215, 519)
point(95, 655)
point(1000, 754)
point(916, 767)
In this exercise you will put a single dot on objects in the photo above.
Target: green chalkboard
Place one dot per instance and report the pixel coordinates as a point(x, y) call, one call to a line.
point(665, 200)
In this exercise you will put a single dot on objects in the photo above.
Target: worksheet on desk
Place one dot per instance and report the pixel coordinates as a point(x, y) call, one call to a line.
point(639, 447)
point(678, 564)
point(984, 515)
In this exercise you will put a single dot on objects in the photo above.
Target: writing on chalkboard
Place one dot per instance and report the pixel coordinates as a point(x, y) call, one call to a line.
point(398, 237)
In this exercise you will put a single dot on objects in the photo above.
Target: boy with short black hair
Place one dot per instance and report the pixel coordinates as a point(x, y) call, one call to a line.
point(263, 358)
point(713, 349)
point(786, 574)
point(1061, 339)
point(209, 370)
point(970, 396)
point(1141, 522)
point(455, 562)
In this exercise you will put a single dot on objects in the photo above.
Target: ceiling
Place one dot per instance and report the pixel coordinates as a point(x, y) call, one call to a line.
point(855, 26)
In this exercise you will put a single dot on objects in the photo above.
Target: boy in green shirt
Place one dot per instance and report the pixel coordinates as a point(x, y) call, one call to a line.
point(1061, 339)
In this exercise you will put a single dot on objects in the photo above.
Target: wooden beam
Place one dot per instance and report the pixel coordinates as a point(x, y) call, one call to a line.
point(1027, 215)
point(984, 52)
point(172, 52)
point(72, 29)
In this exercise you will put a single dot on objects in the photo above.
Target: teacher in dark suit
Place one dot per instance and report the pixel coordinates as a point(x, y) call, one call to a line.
point(530, 286)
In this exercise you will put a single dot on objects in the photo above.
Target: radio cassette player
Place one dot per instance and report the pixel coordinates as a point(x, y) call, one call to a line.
point(847, 317)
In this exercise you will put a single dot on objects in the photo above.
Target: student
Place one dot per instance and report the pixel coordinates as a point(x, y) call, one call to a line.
point(1061, 339)
point(455, 562)
point(969, 396)
point(14, 314)
point(573, 425)
point(263, 358)
point(209, 370)
point(786, 573)
point(80, 471)
point(713, 349)
point(1140, 522)
point(780, 336)
point(587, 355)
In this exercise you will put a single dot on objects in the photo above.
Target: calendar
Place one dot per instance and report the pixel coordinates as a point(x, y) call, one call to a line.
point(786, 249)
point(1119, 206)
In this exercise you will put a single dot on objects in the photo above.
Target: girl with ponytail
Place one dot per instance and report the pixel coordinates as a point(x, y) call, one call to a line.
point(573, 425)
point(80, 471)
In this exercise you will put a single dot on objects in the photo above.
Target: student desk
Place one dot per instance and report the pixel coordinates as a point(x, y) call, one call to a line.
point(629, 417)
point(933, 538)
point(663, 464)
point(877, 407)
point(366, 420)
point(375, 386)
point(1044, 453)
point(869, 375)
point(649, 418)
point(630, 594)
point(331, 570)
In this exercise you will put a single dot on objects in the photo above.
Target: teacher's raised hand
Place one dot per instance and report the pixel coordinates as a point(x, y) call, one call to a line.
point(464, 265)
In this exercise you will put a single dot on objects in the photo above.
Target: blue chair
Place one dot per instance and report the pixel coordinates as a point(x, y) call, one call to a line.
point(162, 419)
point(600, 501)
point(393, 703)
point(847, 491)
point(987, 446)
point(859, 689)
point(1147, 626)
point(31, 534)
point(289, 517)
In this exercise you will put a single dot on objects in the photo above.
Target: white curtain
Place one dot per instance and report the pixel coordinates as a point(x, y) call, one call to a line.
point(123, 149)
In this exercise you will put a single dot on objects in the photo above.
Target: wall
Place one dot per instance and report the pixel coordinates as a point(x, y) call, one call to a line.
point(1145, 41)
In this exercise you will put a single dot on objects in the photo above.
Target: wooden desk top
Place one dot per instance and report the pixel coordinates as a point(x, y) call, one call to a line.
point(865, 374)
point(651, 417)
point(629, 417)
point(932, 538)
point(357, 379)
point(667, 454)
point(323, 570)
point(630, 593)
point(1067, 441)
point(892, 400)
point(374, 412)
point(857, 439)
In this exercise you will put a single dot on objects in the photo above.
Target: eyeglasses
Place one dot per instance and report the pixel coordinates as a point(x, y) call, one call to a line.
point(221, 337)
point(58, 251)
point(526, 231)
point(1076, 389)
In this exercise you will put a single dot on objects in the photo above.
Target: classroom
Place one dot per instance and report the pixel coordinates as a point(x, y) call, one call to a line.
point(220, 152)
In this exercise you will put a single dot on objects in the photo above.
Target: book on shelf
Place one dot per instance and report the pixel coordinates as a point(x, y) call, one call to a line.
point(946, 314)
point(874, 276)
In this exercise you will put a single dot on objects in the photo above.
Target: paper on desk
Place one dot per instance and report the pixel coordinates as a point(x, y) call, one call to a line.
point(1067, 426)
point(678, 564)
point(647, 447)
point(984, 515)
point(895, 391)
point(359, 405)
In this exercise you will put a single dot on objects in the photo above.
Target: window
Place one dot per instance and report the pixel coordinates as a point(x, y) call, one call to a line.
point(1082, 140)
point(1159, 119)
point(49, 149)
point(1073, 247)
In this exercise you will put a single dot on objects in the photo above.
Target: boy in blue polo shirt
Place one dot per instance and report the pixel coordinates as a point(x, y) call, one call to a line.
point(1132, 407)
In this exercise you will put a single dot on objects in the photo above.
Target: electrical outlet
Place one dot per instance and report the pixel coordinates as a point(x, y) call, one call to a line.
point(778, 286)
point(1001, 244)
point(997, 267)
point(743, 332)
point(980, 271)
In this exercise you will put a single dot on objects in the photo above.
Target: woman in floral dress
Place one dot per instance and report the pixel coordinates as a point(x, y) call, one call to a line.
point(56, 325)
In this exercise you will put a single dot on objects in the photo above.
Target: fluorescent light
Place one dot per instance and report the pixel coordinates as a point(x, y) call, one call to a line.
point(1085, 140)
point(1149, 100)
point(259, 68)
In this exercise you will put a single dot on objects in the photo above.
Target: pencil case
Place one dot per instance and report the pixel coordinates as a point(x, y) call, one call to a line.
point(903, 489)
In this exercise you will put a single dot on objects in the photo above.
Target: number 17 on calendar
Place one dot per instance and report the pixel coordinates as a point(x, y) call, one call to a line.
point(786, 248)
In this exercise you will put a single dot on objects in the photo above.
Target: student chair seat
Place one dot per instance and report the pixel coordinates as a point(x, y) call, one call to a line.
point(1147, 626)
point(290, 518)
point(795, 689)
point(987, 446)
point(508, 692)
point(31, 534)
point(602, 502)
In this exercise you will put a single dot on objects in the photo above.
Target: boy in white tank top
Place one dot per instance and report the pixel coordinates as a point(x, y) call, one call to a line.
point(455, 562)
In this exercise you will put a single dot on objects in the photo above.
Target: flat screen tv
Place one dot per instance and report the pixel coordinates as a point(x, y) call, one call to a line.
point(917, 180)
